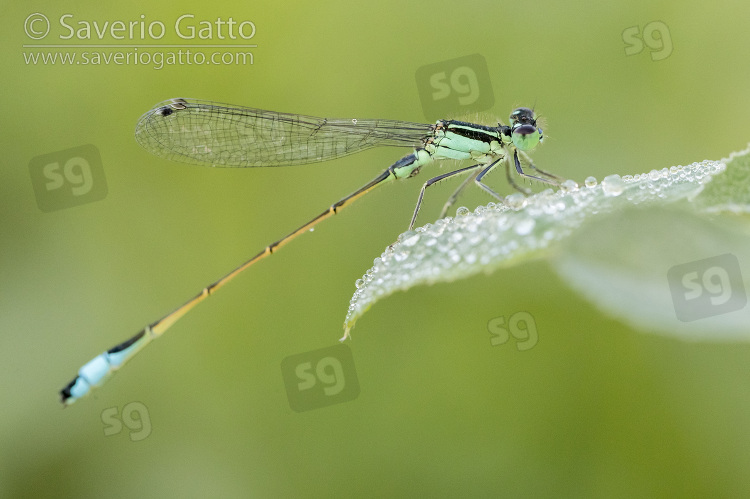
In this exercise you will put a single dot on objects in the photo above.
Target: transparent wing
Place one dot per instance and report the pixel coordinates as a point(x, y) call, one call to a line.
point(203, 132)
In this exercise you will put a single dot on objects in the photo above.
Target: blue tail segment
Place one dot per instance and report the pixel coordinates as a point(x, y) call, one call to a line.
point(98, 369)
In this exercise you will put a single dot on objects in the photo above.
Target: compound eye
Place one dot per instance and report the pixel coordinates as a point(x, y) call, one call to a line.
point(522, 115)
point(526, 137)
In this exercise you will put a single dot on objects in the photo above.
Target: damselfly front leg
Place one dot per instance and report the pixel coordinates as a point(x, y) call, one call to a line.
point(484, 186)
point(512, 182)
point(557, 180)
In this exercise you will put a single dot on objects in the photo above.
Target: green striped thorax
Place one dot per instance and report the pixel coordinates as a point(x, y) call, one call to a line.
point(454, 139)
point(524, 132)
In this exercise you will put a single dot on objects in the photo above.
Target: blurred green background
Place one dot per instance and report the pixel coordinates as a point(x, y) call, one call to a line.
point(593, 410)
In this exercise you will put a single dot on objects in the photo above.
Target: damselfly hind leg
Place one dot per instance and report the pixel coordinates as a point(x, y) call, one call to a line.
point(454, 197)
point(434, 181)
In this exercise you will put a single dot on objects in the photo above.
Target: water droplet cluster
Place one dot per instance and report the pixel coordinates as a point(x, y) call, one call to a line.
point(499, 235)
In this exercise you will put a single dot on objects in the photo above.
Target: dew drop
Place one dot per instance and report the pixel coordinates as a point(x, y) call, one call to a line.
point(409, 238)
point(590, 182)
point(515, 201)
point(613, 185)
point(462, 211)
point(569, 185)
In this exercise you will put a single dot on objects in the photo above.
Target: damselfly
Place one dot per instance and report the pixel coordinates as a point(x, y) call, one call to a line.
point(202, 132)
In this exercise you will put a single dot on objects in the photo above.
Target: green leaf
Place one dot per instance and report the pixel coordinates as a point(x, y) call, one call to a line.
point(633, 265)
point(496, 236)
point(729, 191)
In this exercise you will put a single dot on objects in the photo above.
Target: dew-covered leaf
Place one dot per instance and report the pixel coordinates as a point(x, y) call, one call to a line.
point(496, 236)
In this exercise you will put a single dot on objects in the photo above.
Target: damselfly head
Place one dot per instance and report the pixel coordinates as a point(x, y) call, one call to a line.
point(524, 133)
